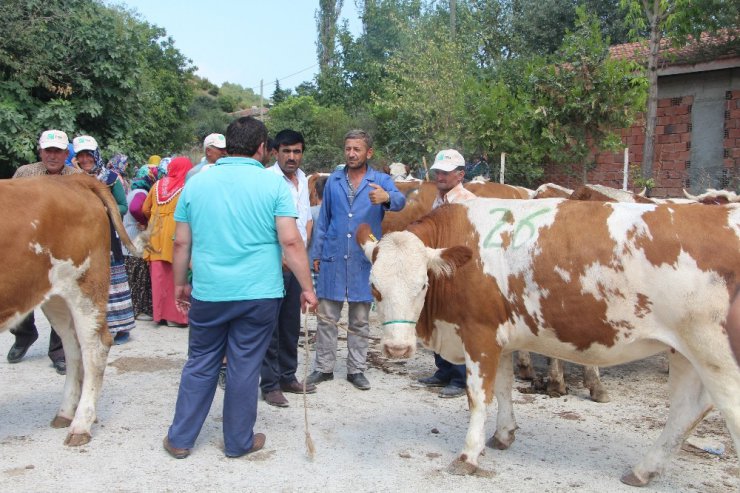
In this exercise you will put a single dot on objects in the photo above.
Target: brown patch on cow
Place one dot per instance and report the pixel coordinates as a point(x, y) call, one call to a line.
point(375, 292)
point(642, 307)
point(576, 318)
point(678, 227)
point(451, 299)
point(374, 254)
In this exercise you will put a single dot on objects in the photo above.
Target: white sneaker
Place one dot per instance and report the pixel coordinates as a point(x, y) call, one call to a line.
point(144, 317)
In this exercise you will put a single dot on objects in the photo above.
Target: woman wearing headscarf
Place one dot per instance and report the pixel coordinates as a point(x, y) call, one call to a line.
point(118, 164)
point(159, 208)
point(120, 312)
point(135, 222)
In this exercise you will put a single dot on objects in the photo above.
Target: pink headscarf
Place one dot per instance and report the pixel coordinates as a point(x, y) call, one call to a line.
point(168, 187)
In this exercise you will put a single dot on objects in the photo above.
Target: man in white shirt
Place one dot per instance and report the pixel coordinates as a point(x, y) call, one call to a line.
point(449, 172)
point(281, 361)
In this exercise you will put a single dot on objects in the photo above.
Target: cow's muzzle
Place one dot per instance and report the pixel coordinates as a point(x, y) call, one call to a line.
point(398, 351)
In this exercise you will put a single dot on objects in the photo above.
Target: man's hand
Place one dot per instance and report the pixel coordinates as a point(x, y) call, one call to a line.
point(316, 265)
point(182, 298)
point(378, 195)
point(309, 300)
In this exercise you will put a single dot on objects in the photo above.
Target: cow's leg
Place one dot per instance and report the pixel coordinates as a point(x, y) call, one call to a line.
point(555, 379)
point(57, 311)
point(689, 403)
point(505, 422)
point(592, 381)
point(524, 368)
point(94, 344)
point(481, 377)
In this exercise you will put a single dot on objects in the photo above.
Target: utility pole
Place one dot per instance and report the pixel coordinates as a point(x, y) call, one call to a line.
point(262, 106)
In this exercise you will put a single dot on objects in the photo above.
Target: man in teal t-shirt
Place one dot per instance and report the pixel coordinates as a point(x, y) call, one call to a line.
point(233, 223)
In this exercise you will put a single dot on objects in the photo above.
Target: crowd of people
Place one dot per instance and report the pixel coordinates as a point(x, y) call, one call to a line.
point(235, 252)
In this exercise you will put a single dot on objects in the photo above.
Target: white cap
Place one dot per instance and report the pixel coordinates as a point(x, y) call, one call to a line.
point(84, 143)
point(214, 140)
point(448, 160)
point(53, 138)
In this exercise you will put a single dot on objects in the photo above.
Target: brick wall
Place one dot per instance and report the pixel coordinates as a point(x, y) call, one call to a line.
point(731, 178)
point(672, 151)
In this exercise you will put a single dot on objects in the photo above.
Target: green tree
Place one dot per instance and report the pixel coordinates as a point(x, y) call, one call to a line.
point(279, 94)
point(322, 127)
point(82, 67)
point(585, 97)
point(674, 20)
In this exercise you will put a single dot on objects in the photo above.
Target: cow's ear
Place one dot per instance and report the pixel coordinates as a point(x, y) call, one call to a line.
point(444, 261)
point(366, 240)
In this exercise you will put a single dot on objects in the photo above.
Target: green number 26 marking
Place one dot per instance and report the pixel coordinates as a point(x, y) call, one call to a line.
point(524, 223)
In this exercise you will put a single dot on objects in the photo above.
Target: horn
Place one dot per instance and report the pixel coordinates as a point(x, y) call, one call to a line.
point(643, 192)
point(689, 196)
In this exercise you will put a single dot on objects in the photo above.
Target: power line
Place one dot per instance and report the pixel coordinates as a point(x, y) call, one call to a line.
point(286, 77)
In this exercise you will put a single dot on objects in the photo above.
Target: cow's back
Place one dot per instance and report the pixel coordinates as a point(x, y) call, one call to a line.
point(54, 231)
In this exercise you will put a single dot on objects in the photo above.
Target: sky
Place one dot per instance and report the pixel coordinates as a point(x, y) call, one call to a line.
point(244, 41)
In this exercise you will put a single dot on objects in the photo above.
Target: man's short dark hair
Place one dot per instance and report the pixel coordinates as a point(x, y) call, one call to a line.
point(244, 136)
point(288, 137)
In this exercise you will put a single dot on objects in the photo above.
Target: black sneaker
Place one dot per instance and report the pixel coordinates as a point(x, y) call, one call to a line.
point(318, 377)
point(432, 381)
point(60, 366)
point(359, 381)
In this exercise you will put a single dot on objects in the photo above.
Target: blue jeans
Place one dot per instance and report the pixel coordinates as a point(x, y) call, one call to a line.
point(241, 330)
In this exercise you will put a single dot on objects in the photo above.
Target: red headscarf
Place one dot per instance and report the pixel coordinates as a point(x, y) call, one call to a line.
point(169, 186)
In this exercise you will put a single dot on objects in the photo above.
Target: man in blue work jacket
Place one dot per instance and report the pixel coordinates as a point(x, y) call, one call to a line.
point(353, 195)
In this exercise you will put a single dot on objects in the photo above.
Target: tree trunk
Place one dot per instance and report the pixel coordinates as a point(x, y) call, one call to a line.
point(326, 23)
point(651, 116)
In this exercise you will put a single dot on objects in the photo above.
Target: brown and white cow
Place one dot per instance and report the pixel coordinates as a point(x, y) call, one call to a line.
point(590, 282)
point(55, 239)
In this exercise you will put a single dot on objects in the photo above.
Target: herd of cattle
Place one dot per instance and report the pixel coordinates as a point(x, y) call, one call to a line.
point(596, 276)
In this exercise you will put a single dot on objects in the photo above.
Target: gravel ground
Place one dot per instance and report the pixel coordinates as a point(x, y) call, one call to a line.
point(394, 437)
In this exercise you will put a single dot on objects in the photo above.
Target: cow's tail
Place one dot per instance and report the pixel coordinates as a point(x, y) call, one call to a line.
point(136, 248)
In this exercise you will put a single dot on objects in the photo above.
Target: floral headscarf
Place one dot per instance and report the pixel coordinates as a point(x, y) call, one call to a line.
point(145, 178)
point(99, 171)
point(168, 187)
point(118, 163)
point(162, 167)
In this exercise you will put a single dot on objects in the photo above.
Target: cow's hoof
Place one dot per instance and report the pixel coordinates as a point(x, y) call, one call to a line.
point(525, 373)
point(555, 389)
point(600, 395)
point(631, 479)
point(60, 422)
point(459, 467)
point(75, 440)
point(497, 444)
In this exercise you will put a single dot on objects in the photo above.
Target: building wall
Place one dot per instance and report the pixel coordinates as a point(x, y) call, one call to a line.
point(697, 139)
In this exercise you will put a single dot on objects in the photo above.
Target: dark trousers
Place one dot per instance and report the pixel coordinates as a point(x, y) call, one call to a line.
point(241, 330)
point(281, 359)
point(26, 333)
point(453, 374)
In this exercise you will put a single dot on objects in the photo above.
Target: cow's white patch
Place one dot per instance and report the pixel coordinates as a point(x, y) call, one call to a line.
point(513, 226)
point(564, 274)
point(446, 341)
point(475, 438)
point(627, 221)
point(36, 248)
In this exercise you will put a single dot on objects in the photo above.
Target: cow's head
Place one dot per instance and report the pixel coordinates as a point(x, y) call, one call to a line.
point(400, 279)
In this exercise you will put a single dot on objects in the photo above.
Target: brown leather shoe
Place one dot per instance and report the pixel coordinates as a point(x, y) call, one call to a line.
point(296, 387)
point(177, 453)
point(257, 443)
point(275, 398)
